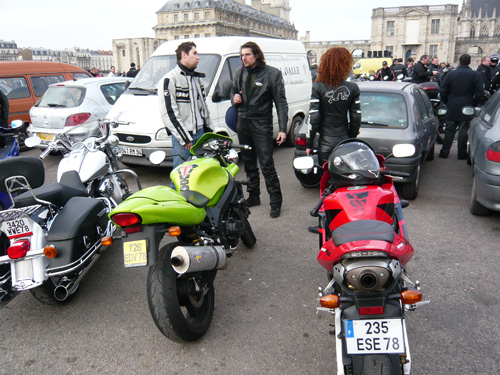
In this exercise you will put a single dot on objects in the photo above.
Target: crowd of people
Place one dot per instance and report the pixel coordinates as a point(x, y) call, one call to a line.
point(132, 72)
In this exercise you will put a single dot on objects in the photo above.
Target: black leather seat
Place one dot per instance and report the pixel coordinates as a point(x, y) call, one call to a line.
point(363, 230)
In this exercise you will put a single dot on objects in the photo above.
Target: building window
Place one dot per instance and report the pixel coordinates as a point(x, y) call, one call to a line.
point(196, 35)
point(473, 32)
point(390, 28)
point(186, 36)
point(176, 37)
point(484, 32)
point(123, 52)
point(176, 18)
point(435, 27)
point(433, 50)
point(186, 17)
point(390, 51)
point(207, 15)
point(207, 35)
point(197, 16)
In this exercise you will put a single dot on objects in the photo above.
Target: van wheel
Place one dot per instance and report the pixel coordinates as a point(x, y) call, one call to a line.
point(294, 130)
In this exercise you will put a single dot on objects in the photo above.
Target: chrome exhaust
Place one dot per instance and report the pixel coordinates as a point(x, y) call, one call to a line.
point(187, 259)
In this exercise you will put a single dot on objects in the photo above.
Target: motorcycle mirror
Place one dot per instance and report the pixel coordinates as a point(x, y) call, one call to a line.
point(157, 157)
point(16, 124)
point(403, 150)
point(441, 111)
point(469, 111)
point(303, 163)
point(32, 141)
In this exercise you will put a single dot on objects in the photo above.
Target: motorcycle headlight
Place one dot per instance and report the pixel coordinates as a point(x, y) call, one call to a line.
point(232, 157)
point(162, 134)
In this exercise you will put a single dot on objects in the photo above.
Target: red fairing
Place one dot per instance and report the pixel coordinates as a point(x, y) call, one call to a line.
point(399, 249)
point(359, 203)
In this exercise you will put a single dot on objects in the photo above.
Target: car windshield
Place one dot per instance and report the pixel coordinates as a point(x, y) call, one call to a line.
point(157, 66)
point(62, 96)
point(382, 109)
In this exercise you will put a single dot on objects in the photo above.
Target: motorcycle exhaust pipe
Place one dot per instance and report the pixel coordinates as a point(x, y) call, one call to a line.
point(187, 259)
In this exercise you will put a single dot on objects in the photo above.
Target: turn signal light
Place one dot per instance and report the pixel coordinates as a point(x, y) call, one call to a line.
point(331, 301)
point(106, 241)
point(174, 231)
point(126, 219)
point(50, 251)
point(409, 297)
point(19, 249)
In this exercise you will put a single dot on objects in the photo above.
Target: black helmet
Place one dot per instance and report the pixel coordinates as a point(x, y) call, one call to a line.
point(353, 162)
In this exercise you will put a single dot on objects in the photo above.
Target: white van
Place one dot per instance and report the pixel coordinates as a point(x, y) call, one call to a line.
point(219, 59)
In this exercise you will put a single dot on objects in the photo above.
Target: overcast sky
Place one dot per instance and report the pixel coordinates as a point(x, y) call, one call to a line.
point(59, 24)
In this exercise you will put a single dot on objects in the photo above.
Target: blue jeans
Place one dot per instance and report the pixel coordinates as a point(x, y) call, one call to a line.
point(179, 153)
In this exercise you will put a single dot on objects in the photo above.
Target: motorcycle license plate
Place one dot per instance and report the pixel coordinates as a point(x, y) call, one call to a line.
point(131, 151)
point(374, 336)
point(17, 228)
point(46, 137)
point(135, 253)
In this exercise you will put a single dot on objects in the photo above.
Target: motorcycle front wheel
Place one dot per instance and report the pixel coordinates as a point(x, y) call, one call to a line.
point(182, 306)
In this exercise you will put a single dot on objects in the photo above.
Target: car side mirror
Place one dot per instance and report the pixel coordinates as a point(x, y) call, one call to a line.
point(127, 84)
point(216, 97)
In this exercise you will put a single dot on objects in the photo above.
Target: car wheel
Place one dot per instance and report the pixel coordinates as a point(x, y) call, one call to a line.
point(476, 208)
point(294, 129)
point(410, 189)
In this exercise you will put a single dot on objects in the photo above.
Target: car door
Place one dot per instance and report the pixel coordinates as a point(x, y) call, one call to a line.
point(427, 124)
point(480, 125)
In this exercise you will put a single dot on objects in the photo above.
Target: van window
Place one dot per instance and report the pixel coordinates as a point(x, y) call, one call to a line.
point(374, 111)
point(41, 84)
point(113, 91)
point(16, 87)
point(157, 66)
point(80, 75)
point(225, 82)
point(62, 96)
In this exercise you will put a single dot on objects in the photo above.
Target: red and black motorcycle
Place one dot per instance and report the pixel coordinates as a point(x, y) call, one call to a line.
point(364, 247)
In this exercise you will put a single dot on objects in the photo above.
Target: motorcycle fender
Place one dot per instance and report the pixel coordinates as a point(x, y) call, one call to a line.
point(75, 229)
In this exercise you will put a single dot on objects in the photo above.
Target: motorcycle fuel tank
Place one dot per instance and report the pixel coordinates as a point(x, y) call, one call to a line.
point(203, 176)
point(88, 163)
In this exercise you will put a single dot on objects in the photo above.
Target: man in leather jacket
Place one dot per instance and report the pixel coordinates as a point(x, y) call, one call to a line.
point(461, 87)
point(384, 72)
point(400, 70)
point(420, 72)
point(256, 87)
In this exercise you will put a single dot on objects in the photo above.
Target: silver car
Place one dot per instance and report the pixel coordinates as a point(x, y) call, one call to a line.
point(79, 104)
point(484, 156)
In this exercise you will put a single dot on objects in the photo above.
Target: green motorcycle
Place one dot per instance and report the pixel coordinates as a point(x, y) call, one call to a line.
point(207, 215)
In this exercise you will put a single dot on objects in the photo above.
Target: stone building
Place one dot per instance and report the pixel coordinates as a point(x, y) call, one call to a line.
point(8, 50)
point(478, 29)
point(188, 19)
point(412, 31)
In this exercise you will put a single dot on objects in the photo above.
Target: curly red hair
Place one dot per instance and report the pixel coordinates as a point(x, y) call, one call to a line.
point(335, 65)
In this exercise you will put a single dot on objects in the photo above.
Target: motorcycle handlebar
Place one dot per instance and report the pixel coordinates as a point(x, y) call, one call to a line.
point(397, 174)
point(314, 212)
point(244, 147)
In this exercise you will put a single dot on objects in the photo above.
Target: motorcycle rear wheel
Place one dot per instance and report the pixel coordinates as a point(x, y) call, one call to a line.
point(248, 238)
point(377, 365)
point(182, 306)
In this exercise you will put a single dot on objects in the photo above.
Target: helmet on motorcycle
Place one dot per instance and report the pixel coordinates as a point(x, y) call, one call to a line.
point(353, 162)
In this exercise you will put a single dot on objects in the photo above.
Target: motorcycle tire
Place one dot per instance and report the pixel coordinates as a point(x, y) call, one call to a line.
point(248, 238)
point(376, 365)
point(179, 311)
point(45, 293)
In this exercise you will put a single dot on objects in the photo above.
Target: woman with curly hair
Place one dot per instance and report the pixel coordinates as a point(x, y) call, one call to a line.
point(332, 99)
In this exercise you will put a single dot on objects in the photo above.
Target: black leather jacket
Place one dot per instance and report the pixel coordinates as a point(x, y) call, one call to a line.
point(268, 88)
point(329, 109)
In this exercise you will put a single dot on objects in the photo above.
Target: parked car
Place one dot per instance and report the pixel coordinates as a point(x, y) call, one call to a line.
point(24, 82)
point(484, 156)
point(392, 113)
point(71, 103)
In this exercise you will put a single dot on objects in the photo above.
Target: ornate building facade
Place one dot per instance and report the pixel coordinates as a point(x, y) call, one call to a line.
point(8, 50)
point(188, 19)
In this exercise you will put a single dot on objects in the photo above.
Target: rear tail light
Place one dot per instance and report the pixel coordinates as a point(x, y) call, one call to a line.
point(126, 219)
point(77, 119)
point(493, 152)
point(300, 141)
point(19, 249)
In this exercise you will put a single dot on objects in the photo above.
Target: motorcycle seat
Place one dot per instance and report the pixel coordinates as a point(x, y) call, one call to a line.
point(57, 193)
point(360, 230)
